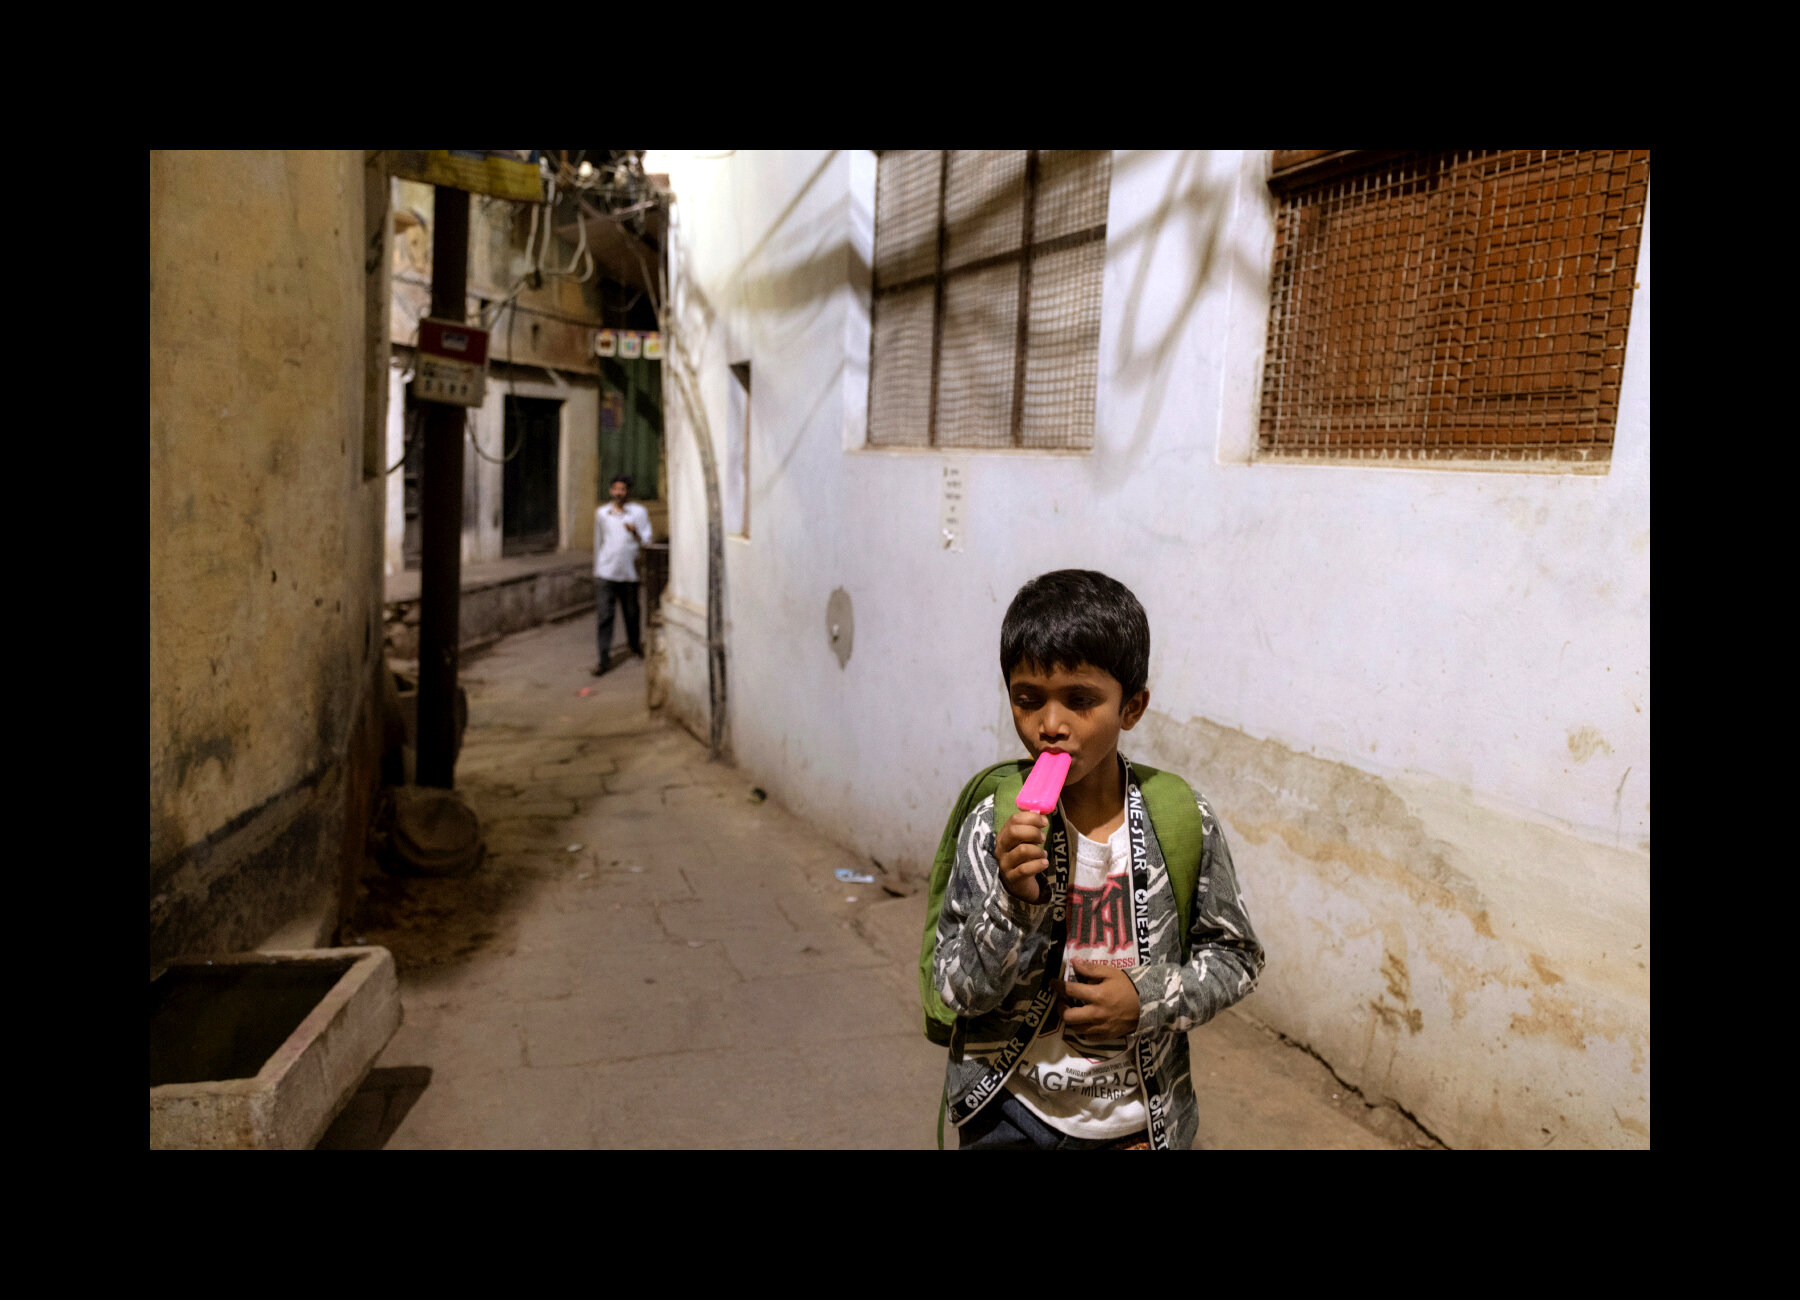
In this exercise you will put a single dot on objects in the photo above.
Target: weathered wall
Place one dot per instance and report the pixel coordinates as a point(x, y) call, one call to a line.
point(555, 321)
point(1419, 697)
point(555, 355)
point(484, 474)
point(265, 540)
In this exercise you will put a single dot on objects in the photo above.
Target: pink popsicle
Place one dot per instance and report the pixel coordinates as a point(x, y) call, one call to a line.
point(1044, 785)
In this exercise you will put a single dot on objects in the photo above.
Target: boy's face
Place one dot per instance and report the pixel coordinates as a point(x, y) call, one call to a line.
point(1076, 710)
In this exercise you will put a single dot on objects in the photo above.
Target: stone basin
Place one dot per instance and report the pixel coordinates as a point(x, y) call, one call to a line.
point(261, 1050)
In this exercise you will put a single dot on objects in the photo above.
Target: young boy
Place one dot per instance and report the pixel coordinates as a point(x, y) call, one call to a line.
point(1079, 908)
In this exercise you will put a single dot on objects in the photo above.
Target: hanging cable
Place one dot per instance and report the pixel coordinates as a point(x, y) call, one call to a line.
point(549, 208)
point(531, 238)
point(411, 427)
point(581, 251)
point(412, 367)
point(507, 456)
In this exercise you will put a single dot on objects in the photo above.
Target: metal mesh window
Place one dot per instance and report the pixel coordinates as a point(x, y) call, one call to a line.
point(986, 329)
point(1450, 304)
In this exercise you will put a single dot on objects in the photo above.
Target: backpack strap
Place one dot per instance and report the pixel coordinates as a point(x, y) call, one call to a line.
point(1011, 774)
point(1175, 821)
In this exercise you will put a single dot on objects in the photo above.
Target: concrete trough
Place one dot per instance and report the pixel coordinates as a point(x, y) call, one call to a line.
point(261, 1050)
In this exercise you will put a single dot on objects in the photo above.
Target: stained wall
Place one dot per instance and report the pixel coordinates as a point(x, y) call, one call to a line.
point(1418, 696)
point(265, 538)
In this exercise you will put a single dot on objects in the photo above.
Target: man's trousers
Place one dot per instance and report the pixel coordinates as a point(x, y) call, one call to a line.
point(626, 594)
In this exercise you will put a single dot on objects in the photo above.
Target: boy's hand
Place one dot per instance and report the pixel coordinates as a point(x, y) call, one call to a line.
point(1105, 1011)
point(1022, 855)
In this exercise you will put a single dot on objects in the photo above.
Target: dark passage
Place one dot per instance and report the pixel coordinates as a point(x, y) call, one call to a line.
point(528, 494)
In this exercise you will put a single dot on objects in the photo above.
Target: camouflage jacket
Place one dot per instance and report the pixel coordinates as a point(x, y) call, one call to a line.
point(993, 951)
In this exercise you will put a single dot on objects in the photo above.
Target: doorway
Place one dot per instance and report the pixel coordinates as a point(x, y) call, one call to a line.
point(631, 424)
point(528, 498)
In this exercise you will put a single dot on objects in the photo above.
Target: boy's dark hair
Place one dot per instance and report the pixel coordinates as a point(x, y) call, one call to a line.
point(1073, 617)
point(620, 478)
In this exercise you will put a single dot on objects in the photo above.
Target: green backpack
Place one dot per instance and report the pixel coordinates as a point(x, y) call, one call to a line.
point(1174, 820)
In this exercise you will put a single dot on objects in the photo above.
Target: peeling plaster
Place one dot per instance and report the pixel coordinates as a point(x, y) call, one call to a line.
point(1488, 974)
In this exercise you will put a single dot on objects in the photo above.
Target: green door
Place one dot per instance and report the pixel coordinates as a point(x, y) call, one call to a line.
point(631, 424)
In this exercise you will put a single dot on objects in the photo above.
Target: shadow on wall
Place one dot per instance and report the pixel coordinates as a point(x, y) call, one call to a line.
point(811, 281)
point(1192, 214)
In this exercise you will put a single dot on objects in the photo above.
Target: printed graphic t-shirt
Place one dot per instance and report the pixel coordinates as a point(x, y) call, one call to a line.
point(1089, 1089)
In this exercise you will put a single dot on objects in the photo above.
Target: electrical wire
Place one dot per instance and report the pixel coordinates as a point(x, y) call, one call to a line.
point(536, 250)
point(506, 457)
point(542, 246)
point(416, 422)
point(531, 238)
point(581, 251)
point(406, 377)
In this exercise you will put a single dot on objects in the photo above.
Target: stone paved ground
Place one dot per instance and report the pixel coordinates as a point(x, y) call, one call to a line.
point(650, 957)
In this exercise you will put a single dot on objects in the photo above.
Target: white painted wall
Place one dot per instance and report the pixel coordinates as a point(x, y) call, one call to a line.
point(485, 478)
point(393, 549)
point(1419, 696)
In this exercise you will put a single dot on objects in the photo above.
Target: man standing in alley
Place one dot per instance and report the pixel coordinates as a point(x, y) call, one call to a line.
point(621, 527)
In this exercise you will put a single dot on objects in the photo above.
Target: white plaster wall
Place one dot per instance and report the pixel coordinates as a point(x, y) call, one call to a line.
point(1475, 643)
point(393, 548)
point(578, 467)
point(485, 476)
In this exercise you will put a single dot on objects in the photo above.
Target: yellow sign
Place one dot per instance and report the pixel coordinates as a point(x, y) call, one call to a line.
point(503, 173)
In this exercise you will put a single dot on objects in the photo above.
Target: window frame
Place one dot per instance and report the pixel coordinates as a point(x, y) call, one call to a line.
point(1473, 396)
point(1027, 254)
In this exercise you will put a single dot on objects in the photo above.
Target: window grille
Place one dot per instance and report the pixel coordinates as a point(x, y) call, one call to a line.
point(986, 325)
point(1450, 304)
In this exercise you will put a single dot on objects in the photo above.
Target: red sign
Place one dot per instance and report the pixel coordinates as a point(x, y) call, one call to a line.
point(453, 341)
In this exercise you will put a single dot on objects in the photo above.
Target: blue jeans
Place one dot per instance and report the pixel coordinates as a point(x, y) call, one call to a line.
point(1004, 1124)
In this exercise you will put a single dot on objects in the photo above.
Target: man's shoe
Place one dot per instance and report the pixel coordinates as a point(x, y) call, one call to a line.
point(602, 666)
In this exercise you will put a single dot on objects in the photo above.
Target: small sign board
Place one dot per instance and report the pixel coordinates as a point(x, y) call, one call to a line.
point(628, 343)
point(452, 363)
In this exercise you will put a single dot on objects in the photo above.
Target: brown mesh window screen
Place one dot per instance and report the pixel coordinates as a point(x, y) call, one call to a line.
point(986, 329)
point(1439, 304)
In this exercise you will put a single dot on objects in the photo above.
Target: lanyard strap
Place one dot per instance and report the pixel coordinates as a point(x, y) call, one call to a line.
point(1038, 1012)
point(1138, 822)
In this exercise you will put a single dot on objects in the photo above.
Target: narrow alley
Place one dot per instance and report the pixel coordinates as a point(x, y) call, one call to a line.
point(652, 957)
point(584, 583)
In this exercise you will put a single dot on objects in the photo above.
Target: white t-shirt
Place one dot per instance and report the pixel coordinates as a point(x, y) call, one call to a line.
point(1089, 1089)
point(615, 549)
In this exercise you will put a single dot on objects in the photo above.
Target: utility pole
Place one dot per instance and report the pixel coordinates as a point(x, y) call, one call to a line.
point(441, 511)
